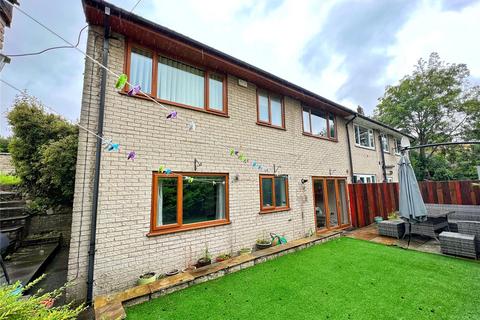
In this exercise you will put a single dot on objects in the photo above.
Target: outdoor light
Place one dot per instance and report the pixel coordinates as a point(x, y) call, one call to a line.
point(303, 181)
point(3, 60)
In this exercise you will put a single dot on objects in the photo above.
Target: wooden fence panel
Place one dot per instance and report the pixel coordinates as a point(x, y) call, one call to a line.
point(379, 199)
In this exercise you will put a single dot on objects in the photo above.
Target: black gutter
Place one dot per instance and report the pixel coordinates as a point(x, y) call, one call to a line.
point(384, 169)
point(385, 126)
point(98, 158)
point(439, 145)
point(350, 148)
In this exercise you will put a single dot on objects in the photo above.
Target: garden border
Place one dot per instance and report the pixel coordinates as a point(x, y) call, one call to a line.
point(112, 306)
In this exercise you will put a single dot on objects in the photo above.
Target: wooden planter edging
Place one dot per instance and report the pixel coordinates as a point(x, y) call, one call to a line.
point(111, 306)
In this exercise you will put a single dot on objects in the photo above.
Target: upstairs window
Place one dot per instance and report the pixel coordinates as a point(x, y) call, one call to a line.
point(319, 123)
point(364, 178)
point(385, 144)
point(398, 146)
point(175, 82)
point(364, 137)
point(273, 193)
point(141, 63)
point(270, 109)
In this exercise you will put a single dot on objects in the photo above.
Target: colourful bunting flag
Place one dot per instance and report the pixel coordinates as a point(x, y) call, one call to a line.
point(172, 115)
point(121, 81)
point(131, 155)
point(135, 90)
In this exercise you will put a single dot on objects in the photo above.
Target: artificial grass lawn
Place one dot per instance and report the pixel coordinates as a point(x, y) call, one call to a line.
point(8, 180)
point(341, 279)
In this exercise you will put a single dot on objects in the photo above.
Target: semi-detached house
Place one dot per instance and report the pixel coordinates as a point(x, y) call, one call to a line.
point(265, 156)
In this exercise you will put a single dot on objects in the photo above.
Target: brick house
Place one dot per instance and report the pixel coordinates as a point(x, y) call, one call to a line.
point(153, 221)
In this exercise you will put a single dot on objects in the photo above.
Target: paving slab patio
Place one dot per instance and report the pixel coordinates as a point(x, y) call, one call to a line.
point(370, 233)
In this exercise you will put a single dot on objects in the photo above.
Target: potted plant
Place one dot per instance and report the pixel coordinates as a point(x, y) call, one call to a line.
point(205, 260)
point(146, 278)
point(393, 215)
point(263, 244)
point(245, 251)
point(222, 257)
point(378, 219)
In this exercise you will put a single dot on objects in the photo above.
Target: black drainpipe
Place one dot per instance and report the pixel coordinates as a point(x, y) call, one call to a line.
point(350, 147)
point(98, 157)
point(384, 168)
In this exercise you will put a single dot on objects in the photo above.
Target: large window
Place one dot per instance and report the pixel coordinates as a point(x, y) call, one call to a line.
point(175, 82)
point(318, 123)
point(273, 193)
point(188, 201)
point(385, 144)
point(364, 178)
point(364, 137)
point(270, 109)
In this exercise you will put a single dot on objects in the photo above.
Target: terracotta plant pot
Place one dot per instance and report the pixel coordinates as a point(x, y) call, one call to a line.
point(222, 258)
point(147, 278)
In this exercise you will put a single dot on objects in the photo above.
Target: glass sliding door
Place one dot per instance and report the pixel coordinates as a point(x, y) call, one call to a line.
point(330, 203)
point(320, 209)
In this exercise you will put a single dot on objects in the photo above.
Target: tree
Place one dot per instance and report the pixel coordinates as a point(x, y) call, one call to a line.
point(44, 152)
point(4, 144)
point(436, 103)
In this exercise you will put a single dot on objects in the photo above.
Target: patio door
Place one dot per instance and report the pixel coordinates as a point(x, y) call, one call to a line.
point(330, 203)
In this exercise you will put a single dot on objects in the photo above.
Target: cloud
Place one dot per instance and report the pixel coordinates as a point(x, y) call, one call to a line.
point(456, 5)
point(358, 32)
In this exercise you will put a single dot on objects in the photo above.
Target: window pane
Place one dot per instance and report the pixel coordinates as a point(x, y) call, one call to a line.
point(319, 123)
point(343, 202)
point(364, 137)
point(141, 69)
point(166, 201)
point(280, 191)
point(276, 105)
point(204, 199)
point(181, 83)
point(384, 143)
point(215, 92)
point(267, 192)
point(306, 121)
point(331, 123)
point(320, 210)
point(332, 204)
point(263, 106)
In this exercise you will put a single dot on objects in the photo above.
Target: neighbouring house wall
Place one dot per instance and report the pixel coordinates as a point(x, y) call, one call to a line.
point(123, 249)
point(369, 161)
point(6, 165)
point(59, 222)
point(2, 32)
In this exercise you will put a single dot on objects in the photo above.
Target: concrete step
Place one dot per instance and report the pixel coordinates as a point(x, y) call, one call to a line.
point(11, 211)
point(13, 221)
point(12, 203)
point(10, 195)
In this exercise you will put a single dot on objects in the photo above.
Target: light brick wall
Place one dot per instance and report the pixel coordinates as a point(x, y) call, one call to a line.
point(368, 161)
point(123, 249)
point(2, 32)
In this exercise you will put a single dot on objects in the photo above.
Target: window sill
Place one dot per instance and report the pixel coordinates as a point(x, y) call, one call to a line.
point(319, 137)
point(363, 147)
point(270, 126)
point(196, 226)
point(179, 105)
point(274, 210)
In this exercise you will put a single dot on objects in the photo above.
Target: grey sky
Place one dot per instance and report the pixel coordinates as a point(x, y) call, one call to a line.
point(345, 50)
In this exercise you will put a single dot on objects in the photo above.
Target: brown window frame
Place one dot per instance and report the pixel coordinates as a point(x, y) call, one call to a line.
point(269, 123)
point(179, 226)
point(328, 114)
point(273, 208)
point(155, 55)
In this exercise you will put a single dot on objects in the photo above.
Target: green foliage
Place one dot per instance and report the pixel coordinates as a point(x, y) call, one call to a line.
point(436, 103)
point(34, 307)
point(9, 179)
point(44, 151)
point(4, 144)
